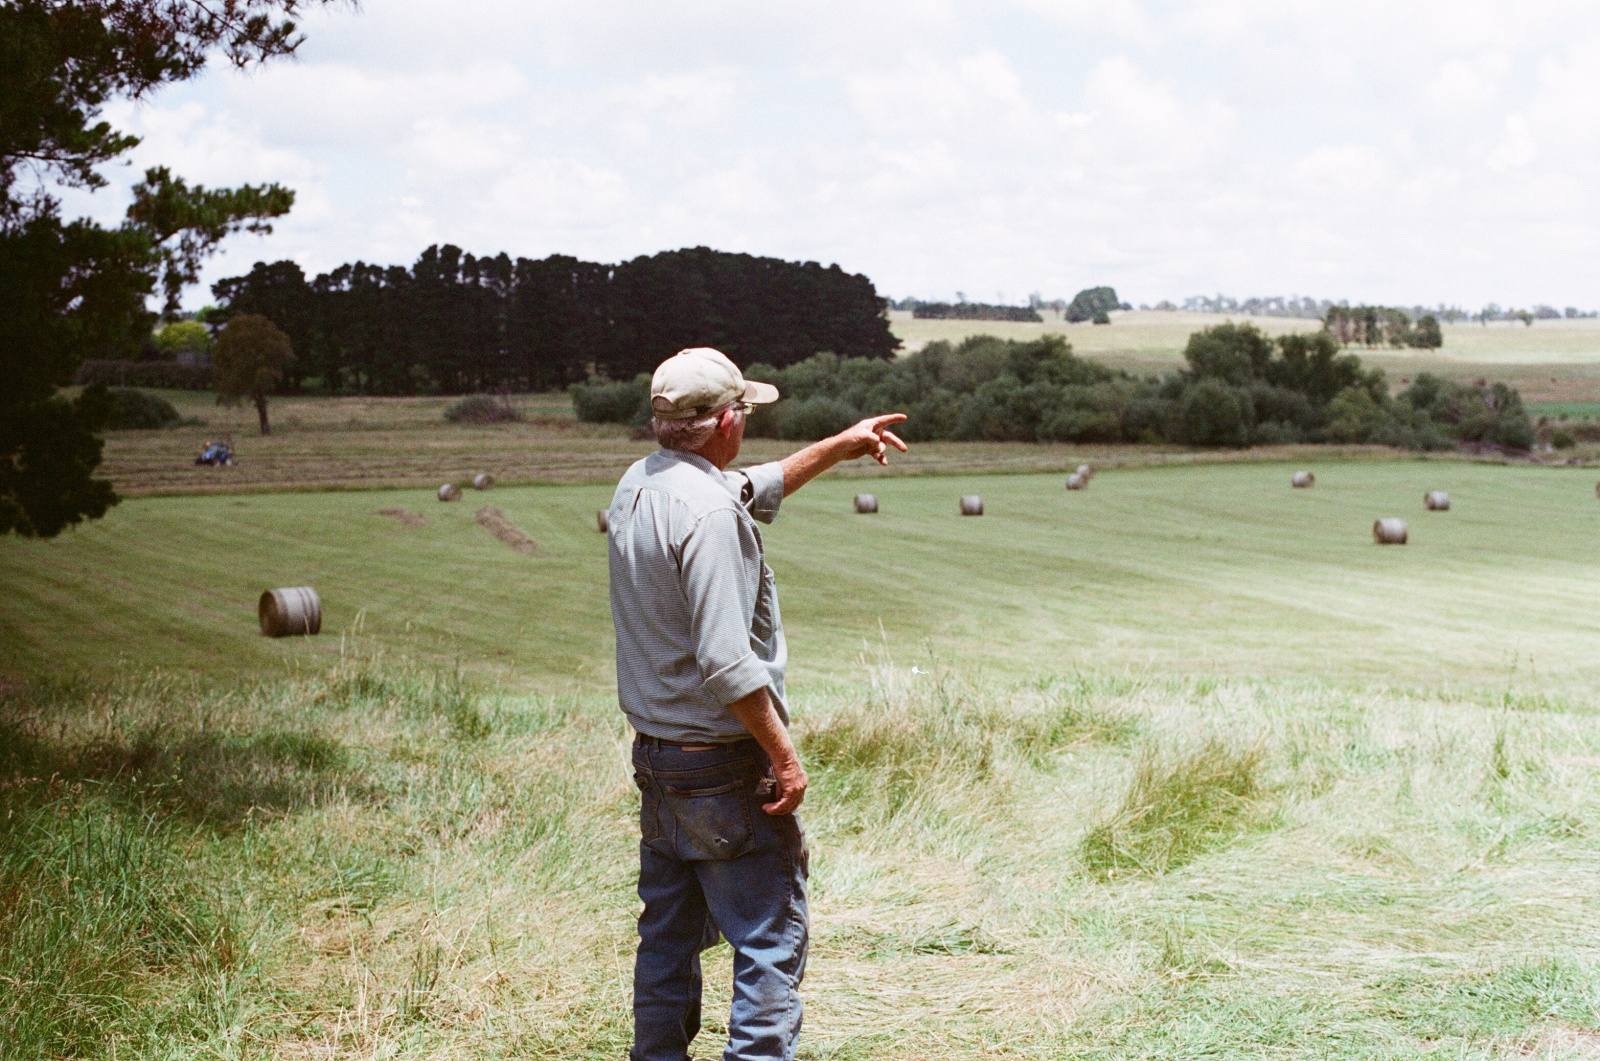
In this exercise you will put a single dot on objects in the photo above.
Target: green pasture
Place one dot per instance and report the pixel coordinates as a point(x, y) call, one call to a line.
point(1220, 570)
point(1179, 766)
point(1566, 410)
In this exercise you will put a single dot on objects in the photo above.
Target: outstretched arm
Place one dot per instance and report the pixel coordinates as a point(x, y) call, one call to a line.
point(870, 438)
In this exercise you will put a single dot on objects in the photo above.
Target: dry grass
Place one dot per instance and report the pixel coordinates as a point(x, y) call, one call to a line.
point(494, 521)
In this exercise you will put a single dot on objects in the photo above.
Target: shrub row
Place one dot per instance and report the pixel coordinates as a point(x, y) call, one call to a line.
point(164, 375)
point(1240, 388)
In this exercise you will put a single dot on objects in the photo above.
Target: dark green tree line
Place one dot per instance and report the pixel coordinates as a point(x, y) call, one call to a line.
point(455, 323)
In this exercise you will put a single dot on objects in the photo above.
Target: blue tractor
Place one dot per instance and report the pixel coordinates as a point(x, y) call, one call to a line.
point(216, 454)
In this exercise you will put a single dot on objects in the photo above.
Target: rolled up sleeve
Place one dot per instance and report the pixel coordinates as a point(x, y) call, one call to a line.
point(766, 490)
point(715, 567)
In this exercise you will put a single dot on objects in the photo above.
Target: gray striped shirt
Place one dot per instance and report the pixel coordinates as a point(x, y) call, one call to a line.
point(694, 603)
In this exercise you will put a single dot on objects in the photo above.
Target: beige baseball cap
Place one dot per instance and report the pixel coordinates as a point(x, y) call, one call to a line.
point(701, 380)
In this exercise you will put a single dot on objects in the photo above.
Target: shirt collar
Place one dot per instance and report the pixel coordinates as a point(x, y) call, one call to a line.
point(721, 478)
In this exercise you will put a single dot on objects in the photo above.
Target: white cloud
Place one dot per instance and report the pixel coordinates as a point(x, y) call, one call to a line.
point(1443, 152)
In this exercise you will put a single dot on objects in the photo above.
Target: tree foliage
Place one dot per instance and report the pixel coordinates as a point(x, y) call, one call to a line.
point(72, 288)
point(69, 288)
point(974, 311)
point(1092, 302)
point(1239, 388)
point(454, 323)
point(183, 337)
point(1382, 325)
point(249, 359)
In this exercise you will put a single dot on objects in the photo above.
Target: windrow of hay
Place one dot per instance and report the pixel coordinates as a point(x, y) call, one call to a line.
point(1179, 804)
point(494, 521)
point(405, 517)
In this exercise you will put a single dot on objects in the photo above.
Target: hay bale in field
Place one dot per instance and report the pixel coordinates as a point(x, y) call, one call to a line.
point(482, 482)
point(602, 521)
point(1389, 531)
point(1436, 501)
point(866, 504)
point(1303, 480)
point(449, 492)
point(971, 505)
point(494, 521)
point(1085, 471)
point(1077, 481)
point(290, 612)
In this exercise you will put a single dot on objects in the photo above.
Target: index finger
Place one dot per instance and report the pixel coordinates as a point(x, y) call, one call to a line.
point(878, 423)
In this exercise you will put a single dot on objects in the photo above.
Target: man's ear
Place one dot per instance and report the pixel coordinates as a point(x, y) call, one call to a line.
point(726, 421)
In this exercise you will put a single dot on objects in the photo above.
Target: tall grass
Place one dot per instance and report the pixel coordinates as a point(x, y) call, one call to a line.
point(388, 859)
point(1180, 804)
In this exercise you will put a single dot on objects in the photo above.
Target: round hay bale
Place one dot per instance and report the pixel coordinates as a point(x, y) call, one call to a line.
point(482, 482)
point(290, 612)
point(1077, 481)
point(602, 521)
point(1389, 531)
point(449, 492)
point(971, 505)
point(866, 504)
point(1085, 471)
point(1436, 501)
point(1303, 480)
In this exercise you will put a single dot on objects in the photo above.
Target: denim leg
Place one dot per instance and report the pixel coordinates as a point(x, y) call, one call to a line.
point(666, 971)
point(759, 903)
point(711, 855)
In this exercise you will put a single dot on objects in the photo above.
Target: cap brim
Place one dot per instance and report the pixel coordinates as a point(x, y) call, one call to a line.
point(757, 393)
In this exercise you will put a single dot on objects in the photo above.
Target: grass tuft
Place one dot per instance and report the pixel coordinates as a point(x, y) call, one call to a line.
point(1179, 805)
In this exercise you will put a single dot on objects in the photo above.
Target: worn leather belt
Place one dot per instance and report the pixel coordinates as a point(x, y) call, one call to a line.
point(659, 742)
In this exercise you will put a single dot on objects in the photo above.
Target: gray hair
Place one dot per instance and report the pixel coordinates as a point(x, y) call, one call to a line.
point(687, 435)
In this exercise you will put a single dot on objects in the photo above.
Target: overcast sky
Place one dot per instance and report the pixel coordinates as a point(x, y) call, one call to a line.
point(1398, 151)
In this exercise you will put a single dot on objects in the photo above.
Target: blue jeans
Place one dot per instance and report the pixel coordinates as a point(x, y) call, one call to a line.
point(710, 860)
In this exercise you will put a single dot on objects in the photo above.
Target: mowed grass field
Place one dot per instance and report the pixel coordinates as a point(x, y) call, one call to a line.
point(1178, 766)
point(1201, 569)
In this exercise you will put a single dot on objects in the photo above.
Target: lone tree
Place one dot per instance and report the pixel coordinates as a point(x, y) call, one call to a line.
point(248, 361)
point(1092, 302)
point(69, 288)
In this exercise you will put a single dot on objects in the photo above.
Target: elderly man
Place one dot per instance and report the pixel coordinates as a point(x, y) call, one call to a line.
point(700, 662)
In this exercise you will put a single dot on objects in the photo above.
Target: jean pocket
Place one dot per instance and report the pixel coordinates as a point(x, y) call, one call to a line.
point(649, 809)
point(713, 822)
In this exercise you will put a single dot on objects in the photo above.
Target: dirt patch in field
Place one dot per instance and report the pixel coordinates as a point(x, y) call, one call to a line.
point(494, 521)
point(405, 517)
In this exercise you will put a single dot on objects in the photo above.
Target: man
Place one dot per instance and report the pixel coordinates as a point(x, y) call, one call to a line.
point(700, 662)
